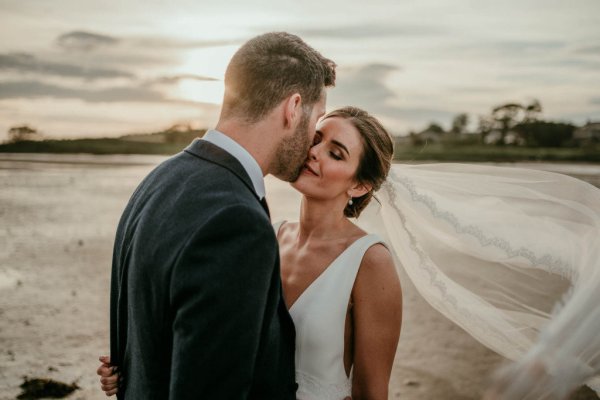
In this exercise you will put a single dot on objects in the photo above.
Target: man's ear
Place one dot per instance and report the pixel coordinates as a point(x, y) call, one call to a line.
point(292, 110)
point(360, 189)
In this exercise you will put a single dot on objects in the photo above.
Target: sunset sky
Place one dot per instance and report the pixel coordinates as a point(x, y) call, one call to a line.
point(81, 68)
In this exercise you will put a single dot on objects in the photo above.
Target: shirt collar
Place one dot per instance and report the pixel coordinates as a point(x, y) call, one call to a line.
point(241, 154)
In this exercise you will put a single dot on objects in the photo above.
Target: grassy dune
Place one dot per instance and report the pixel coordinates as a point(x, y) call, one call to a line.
point(481, 153)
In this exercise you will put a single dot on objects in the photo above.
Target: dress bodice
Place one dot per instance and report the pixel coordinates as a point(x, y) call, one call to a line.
point(319, 315)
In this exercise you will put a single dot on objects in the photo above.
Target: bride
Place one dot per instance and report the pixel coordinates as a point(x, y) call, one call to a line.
point(339, 283)
point(510, 255)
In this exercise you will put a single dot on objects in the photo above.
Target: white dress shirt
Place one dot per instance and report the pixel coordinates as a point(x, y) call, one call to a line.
point(241, 154)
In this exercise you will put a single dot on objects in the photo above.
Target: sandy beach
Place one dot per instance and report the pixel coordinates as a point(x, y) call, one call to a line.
point(58, 215)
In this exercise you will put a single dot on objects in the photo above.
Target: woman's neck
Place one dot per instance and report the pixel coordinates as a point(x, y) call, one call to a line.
point(321, 220)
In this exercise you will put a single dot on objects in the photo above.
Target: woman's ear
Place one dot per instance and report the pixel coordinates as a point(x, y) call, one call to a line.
point(292, 110)
point(360, 189)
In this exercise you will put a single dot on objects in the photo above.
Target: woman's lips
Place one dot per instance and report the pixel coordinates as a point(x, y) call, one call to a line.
point(309, 169)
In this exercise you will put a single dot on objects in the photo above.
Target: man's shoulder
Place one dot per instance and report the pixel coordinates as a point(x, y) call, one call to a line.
point(200, 174)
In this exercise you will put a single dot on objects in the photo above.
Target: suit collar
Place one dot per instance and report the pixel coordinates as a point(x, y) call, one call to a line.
point(242, 155)
point(216, 155)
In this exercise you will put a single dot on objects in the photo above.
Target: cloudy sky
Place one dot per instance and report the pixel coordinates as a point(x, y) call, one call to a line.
point(91, 68)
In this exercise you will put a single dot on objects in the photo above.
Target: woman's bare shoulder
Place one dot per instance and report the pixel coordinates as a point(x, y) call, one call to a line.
point(377, 270)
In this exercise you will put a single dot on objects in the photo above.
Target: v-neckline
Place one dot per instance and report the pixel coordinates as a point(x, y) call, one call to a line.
point(324, 271)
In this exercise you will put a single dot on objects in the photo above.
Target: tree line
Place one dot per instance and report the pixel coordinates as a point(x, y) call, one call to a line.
point(507, 124)
point(512, 123)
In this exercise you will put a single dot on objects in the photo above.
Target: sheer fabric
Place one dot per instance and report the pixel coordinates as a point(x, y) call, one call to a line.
point(513, 257)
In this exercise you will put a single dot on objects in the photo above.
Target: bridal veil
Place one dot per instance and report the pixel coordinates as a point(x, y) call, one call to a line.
point(513, 257)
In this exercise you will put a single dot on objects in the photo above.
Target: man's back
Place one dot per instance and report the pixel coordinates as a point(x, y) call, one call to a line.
point(196, 307)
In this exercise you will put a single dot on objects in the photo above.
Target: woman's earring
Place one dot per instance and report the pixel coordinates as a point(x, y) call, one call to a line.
point(350, 201)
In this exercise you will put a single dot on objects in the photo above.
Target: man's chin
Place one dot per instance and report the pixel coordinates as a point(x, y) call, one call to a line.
point(290, 177)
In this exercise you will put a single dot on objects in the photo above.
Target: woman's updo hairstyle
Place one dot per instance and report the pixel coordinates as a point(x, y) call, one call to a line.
point(376, 159)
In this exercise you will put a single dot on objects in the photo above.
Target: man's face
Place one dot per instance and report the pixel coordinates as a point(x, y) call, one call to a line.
point(292, 151)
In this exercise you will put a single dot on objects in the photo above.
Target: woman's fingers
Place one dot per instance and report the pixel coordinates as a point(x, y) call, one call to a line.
point(104, 370)
point(110, 380)
point(110, 384)
point(109, 391)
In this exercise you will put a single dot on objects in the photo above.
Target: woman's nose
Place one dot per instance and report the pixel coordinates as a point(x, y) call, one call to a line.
point(312, 152)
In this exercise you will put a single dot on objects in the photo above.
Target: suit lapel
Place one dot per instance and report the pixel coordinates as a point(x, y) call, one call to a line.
point(214, 154)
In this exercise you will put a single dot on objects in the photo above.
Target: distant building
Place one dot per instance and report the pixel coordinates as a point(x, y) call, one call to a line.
point(590, 132)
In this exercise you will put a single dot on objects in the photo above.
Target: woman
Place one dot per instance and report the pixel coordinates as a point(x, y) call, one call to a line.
point(339, 283)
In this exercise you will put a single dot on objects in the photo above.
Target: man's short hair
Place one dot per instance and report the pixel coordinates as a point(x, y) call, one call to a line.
point(271, 67)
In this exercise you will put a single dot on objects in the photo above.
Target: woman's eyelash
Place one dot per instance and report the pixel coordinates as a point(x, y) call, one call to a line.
point(335, 155)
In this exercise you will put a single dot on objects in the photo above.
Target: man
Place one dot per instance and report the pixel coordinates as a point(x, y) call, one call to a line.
point(196, 304)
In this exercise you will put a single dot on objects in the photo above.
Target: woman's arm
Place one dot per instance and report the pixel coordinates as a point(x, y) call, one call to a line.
point(377, 315)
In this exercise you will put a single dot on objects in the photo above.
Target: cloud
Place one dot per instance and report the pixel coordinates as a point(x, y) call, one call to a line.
point(472, 89)
point(176, 44)
point(90, 41)
point(579, 118)
point(365, 87)
point(584, 64)
point(519, 46)
point(84, 41)
point(36, 89)
point(27, 63)
point(368, 30)
point(173, 79)
point(592, 50)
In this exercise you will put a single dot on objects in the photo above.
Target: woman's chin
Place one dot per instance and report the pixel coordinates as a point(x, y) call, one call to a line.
point(298, 185)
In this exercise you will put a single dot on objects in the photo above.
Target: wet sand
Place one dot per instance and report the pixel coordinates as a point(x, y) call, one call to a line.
point(58, 216)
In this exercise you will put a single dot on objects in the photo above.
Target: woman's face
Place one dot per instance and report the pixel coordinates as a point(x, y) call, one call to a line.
point(332, 161)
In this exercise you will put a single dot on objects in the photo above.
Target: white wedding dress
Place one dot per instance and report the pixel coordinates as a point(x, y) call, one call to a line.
point(319, 315)
point(510, 255)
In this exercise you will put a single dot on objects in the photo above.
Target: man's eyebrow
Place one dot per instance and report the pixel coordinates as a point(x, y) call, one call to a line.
point(341, 145)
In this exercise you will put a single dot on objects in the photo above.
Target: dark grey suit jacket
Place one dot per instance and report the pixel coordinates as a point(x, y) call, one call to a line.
point(196, 304)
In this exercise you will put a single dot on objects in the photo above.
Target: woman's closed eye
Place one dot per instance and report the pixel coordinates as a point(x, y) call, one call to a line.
point(335, 156)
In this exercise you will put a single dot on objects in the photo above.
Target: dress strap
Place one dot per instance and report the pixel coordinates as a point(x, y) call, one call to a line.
point(356, 252)
point(340, 275)
point(277, 225)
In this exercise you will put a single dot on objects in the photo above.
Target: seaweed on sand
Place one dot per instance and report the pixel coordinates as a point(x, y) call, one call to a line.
point(39, 388)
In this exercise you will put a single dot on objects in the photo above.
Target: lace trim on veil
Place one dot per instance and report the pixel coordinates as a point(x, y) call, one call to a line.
point(555, 265)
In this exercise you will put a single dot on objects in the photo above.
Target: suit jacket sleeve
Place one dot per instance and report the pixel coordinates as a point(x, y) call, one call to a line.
point(219, 290)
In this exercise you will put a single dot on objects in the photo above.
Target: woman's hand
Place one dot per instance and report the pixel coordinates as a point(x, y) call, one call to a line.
point(109, 377)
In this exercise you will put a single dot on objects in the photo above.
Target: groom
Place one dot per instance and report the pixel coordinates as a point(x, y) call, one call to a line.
point(196, 304)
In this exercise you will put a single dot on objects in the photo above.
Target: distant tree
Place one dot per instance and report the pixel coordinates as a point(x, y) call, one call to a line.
point(485, 126)
point(546, 134)
point(506, 117)
point(180, 133)
point(459, 124)
point(532, 111)
point(434, 128)
point(23, 133)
